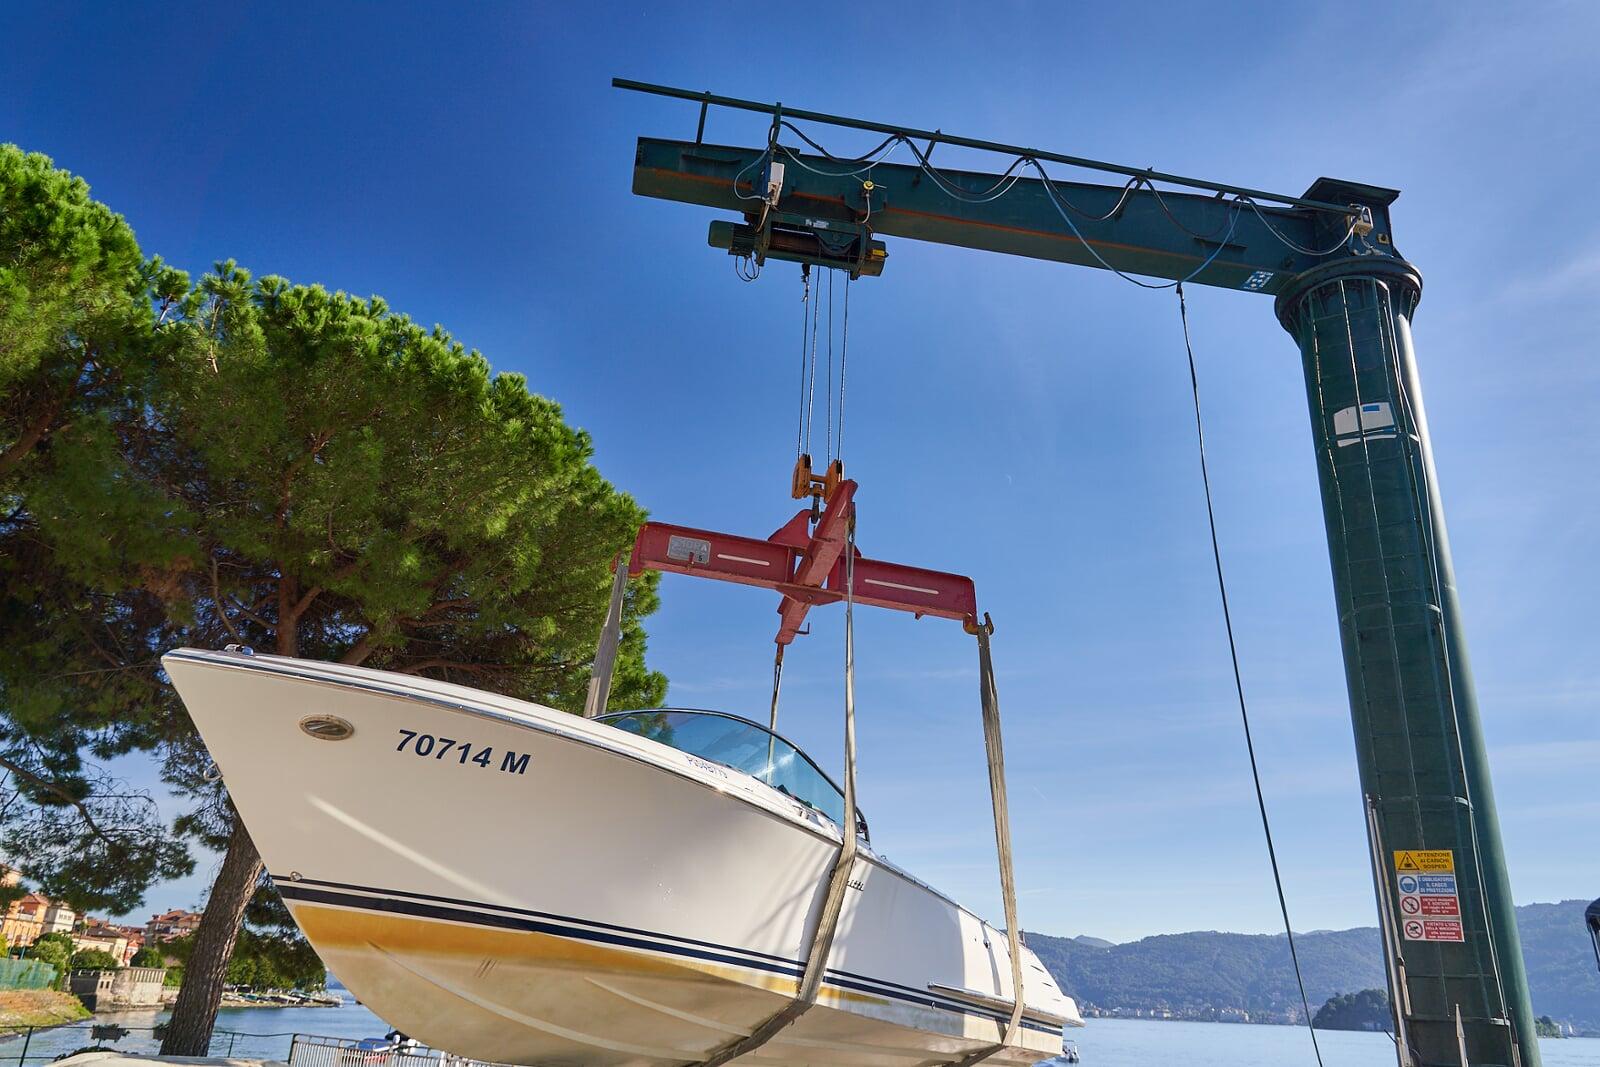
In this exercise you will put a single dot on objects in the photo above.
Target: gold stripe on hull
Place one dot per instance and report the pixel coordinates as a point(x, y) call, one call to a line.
point(521, 996)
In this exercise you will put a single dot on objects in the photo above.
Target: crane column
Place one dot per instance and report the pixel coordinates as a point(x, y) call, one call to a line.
point(1346, 295)
point(1419, 743)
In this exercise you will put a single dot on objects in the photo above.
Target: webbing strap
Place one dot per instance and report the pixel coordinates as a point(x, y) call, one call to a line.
point(772, 723)
point(605, 653)
point(990, 698)
point(1002, 819)
point(843, 864)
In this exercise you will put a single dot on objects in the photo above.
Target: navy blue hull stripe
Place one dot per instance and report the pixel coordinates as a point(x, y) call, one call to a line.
point(282, 883)
point(625, 937)
point(921, 995)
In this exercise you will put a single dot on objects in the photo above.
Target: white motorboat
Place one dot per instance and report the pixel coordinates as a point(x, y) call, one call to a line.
point(520, 885)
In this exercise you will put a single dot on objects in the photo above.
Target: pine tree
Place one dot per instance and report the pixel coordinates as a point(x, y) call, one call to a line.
point(252, 462)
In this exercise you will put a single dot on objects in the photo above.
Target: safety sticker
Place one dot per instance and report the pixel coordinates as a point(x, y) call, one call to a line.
point(1433, 930)
point(1368, 422)
point(1430, 909)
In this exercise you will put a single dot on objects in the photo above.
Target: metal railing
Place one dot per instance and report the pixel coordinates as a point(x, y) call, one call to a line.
point(296, 1049)
point(42, 1044)
point(311, 1050)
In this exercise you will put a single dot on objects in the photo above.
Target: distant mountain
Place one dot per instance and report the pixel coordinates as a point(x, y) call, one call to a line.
point(1094, 942)
point(1210, 974)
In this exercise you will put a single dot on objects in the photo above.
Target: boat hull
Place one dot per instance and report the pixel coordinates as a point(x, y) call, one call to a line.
point(519, 885)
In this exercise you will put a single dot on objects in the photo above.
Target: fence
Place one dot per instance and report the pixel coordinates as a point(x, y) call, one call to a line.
point(26, 974)
point(41, 1045)
point(310, 1050)
point(38, 1045)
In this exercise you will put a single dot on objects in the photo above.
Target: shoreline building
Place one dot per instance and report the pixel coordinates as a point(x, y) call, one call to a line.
point(170, 924)
point(32, 916)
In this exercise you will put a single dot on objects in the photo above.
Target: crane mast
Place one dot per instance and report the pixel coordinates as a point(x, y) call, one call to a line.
point(1345, 294)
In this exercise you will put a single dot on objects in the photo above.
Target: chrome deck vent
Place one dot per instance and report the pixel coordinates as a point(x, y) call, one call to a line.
point(327, 727)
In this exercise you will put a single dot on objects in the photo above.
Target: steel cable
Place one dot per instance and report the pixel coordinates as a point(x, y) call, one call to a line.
point(1238, 677)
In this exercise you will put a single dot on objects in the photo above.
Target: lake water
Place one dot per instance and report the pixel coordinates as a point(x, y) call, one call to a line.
point(1146, 1043)
point(253, 1032)
point(264, 1032)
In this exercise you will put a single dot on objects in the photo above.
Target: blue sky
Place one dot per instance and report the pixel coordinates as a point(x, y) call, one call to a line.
point(1025, 423)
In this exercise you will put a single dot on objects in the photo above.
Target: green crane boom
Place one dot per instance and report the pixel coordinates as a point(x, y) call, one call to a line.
point(1345, 294)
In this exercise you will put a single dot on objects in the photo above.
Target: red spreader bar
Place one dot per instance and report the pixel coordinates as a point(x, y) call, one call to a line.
point(806, 567)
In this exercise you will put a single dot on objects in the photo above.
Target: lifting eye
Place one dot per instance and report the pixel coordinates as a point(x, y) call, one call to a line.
point(326, 727)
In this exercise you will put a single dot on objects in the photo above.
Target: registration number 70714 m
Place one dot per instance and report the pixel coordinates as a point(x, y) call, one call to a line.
point(428, 746)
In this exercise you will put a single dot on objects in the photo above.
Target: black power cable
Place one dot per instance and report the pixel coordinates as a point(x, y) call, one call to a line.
point(1238, 680)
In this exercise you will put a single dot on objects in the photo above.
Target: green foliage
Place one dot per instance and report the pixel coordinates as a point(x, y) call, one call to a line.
point(367, 490)
point(55, 949)
point(1366, 1010)
point(94, 959)
point(265, 961)
point(148, 956)
point(80, 312)
point(73, 318)
point(270, 952)
point(1545, 1026)
point(253, 461)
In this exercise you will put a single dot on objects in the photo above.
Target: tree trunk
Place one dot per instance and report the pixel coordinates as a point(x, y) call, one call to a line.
point(195, 1013)
point(29, 437)
point(288, 622)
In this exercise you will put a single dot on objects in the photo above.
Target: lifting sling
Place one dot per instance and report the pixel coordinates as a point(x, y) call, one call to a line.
point(605, 654)
point(839, 877)
point(995, 752)
point(820, 566)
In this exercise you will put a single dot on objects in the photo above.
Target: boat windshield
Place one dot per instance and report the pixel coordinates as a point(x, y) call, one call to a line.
point(743, 746)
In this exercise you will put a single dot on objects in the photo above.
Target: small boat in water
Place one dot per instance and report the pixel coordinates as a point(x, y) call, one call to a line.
point(520, 885)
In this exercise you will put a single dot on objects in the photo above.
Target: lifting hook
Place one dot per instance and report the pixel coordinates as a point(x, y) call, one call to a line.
point(805, 482)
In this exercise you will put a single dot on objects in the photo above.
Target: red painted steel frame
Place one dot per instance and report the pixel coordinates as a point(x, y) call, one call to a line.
point(807, 569)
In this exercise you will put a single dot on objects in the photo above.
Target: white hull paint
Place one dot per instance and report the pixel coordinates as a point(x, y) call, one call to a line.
point(609, 900)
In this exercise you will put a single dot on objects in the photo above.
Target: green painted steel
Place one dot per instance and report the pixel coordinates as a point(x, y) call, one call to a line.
point(933, 137)
point(1419, 745)
point(1348, 303)
point(1167, 236)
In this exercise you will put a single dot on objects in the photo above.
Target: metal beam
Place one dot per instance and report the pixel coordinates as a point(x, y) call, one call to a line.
point(1168, 235)
point(808, 569)
point(933, 137)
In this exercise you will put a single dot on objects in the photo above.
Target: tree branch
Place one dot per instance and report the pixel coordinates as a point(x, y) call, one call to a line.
point(470, 668)
point(57, 791)
point(216, 598)
point(30, 437)
point(359, 651)
point(251, 615)
point(304, 602)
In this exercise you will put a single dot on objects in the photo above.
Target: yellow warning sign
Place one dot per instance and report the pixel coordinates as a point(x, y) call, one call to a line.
point(1432, 859)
